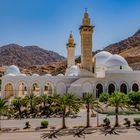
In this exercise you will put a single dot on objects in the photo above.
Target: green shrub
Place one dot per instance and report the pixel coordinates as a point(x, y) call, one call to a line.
point(104, 97)
point(134, 98)
point(106, 122)
point(137, 121)
point(27, 125)
point(44, 124)
point(127, 122)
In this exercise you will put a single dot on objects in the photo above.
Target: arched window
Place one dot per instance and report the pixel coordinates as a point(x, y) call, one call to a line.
point(99, 90)
point(123, 88)
point(9, 91)
point(35, 89)
point(22, 90)
point(135, 87)
point(111, 88)
point(48, 89)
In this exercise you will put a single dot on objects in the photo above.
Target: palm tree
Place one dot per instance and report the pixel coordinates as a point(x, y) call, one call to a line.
point(3, 108)
point(25, 105)
point(44, 100)
point(31, 100)
point(117, 100)
point(67, 101)
point(90, 103)
point(17, 104)
point(53, 104)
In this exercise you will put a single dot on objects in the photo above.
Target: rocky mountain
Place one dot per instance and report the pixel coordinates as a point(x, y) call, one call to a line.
point(27, 56)
point(129, 43)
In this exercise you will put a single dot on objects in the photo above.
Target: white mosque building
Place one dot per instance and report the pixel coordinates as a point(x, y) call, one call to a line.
point(104, 72)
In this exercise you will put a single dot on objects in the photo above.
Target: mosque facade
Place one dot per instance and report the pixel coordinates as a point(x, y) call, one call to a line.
point(105, 72)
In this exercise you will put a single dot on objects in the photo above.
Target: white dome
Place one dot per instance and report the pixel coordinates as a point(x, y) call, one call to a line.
point(12, 70)
point(116, 60)
point(48, 75)
point(101, 57)
point(35, 74)
point(73, 71)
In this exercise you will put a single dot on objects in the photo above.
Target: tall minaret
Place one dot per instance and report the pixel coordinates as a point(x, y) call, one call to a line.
point(86, 31)
point(70, 51)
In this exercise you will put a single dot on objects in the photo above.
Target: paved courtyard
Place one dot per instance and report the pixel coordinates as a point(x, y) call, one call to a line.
point(78, 121)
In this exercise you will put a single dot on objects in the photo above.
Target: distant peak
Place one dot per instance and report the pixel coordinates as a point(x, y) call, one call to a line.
point(137, 33)
point(12, 45)
point(32, 46)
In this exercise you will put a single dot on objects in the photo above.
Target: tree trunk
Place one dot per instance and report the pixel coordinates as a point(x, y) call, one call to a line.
point(44, 108)
point(63, 120)
point(19, 112)
point(0, 121)
point(117, 119)
point(97, 118)
point(88, 119)
point(31, 104)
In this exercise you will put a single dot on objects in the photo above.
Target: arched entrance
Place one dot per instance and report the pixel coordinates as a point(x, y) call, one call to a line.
point(48, 90)
point(135, 87)
point(123, 88)
point(99, 90)
point(22, 89)
point(35, 89)
point(9, 91)
point(111, 88)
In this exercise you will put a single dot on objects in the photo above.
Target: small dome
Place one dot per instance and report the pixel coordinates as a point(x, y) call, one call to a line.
point(101, 57)
point(73, 71)
point(48, 75)
point(12, 70)
point(35, 74)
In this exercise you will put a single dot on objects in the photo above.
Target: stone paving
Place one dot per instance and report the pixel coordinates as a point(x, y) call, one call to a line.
point(78, 121)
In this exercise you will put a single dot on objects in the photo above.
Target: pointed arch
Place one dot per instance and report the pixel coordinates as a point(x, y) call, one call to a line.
point(124, 87)
point(22, 89)
point(35, 88)
point(48, 88)
point(9, 90)
point(99, 89)
point(135, 87)
point(111, 87)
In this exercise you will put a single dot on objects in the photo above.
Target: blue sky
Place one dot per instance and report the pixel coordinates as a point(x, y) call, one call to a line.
point(47, 23)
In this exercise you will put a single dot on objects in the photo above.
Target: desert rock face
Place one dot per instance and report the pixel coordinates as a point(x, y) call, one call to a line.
point(27, 56)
